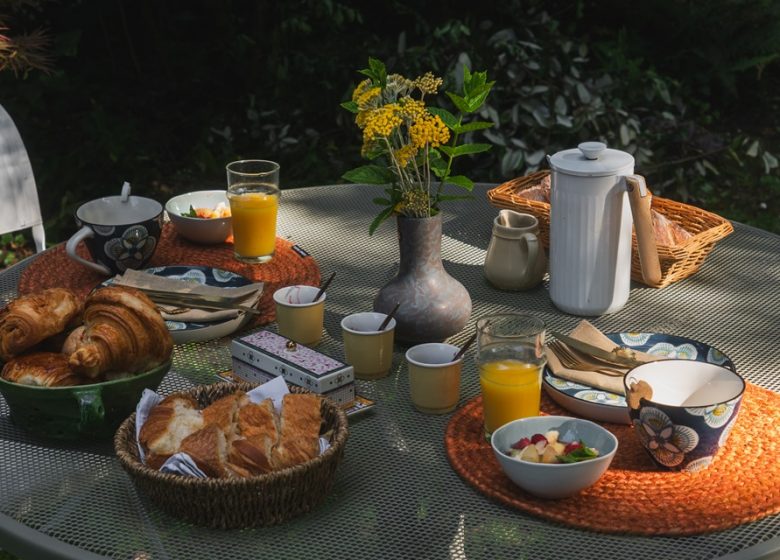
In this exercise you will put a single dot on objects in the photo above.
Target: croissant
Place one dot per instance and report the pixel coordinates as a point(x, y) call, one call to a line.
point(42, 369)
point(123, 331)
point(252, 453)
point(30, 319)
point(299, 430)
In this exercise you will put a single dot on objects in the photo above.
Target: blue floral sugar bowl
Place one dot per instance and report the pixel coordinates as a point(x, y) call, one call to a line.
point(683, 410)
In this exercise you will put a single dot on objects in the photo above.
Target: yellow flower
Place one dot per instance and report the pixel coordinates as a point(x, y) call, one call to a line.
point(430, 129)
point(381, 122)
point(364, 100)
point(412, 108)
point(428, 83)
point(360, 88)
point(404, 155)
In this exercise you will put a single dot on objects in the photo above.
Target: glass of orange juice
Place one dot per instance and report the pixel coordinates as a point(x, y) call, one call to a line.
point(253, 192)
point(510, 358)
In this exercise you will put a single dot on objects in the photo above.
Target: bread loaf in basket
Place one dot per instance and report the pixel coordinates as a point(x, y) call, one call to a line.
point(232, 503)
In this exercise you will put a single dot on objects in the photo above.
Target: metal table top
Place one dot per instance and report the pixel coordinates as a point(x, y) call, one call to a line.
point(396, 495)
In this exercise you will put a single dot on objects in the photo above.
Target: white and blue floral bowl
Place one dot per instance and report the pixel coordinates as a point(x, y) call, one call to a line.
point(689, 415)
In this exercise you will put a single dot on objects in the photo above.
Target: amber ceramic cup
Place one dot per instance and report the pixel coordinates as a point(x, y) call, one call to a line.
point(367, 349)
point(434, 377)
point(298, 316)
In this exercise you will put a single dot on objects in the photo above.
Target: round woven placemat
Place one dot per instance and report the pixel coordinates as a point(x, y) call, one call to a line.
point(741, 485)
point(55, 269)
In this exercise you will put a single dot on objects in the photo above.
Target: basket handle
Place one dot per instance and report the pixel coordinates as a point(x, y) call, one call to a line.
point(640, 200)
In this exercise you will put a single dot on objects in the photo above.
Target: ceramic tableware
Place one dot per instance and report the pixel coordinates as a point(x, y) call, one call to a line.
point(197, 331)
point(689, 412)
point(299, 316)
point(515, 258)
point(434, 377)
point(206, 231)
point(120, 232)
point(554, 480)
point(366, 348)
point(605, 406)
point(91, 411)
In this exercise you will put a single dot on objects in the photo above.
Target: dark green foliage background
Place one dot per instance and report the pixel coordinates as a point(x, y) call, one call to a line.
point(164, 93)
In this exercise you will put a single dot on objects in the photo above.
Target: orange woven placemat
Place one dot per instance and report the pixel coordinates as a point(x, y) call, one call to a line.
point(54, 268)
point(741, 485)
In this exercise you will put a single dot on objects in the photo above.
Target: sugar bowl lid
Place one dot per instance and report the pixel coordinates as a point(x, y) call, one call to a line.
point(592, 159)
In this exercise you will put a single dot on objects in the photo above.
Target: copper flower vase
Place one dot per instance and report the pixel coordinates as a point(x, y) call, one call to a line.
point(434, 305)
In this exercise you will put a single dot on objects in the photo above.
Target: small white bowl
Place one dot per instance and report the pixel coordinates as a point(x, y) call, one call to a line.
point(557, 480)
point(200, 230)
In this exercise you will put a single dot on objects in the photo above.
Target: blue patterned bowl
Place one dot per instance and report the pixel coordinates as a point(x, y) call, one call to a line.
point(690, 413)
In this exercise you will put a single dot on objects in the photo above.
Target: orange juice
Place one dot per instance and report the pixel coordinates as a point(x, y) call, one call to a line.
point(511, 389)
point(254, 223)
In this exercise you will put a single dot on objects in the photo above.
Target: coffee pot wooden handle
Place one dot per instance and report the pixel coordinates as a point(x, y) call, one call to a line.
point(640, 200)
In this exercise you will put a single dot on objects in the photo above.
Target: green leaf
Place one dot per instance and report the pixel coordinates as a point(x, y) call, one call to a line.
point(582, 453)
point(350, 106)
point(437, 163)
point(475, 103)
point(191, 213)
point(381, 201)
point(472, 126)
point(459, 102)
point(461, 181)
point(465, 149)
point(381, 217)
point(376, 71)
point(448, 118)
point(370, 174)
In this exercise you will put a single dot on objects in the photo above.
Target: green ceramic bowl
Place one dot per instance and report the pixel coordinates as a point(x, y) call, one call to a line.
point(80, 412)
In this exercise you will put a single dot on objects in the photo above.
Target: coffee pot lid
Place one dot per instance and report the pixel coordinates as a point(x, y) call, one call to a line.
point(591, 159)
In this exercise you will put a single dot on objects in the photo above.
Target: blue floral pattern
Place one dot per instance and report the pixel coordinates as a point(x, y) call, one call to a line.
point(132, 249)
point(681, 352)
point(716, 415)
point(601, 397)
point(653, 343)
point(667, 442)
point(699, 464)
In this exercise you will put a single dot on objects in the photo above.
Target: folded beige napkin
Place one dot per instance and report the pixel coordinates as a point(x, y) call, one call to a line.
point(247, 295)
point(586, 332)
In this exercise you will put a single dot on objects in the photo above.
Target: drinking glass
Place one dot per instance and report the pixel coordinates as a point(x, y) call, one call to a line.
point(253, 192)
point(510, 358)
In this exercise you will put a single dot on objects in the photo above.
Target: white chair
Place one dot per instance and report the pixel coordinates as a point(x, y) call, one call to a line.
point(19, 207)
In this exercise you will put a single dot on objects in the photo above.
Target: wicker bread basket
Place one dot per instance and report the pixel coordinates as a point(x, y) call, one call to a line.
point(677, 262)
point(236, 503)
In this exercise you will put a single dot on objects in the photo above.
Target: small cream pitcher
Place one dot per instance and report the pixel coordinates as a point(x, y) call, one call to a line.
point(515, 259)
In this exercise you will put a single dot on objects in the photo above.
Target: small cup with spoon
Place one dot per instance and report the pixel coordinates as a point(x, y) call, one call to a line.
point(434, 375)
point(368, 343)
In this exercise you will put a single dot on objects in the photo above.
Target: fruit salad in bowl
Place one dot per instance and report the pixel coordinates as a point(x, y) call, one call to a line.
point(553, 456)
point(548, 448)
point(201, 216)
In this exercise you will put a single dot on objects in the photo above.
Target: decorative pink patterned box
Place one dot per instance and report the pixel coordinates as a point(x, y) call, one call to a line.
point(298, 364)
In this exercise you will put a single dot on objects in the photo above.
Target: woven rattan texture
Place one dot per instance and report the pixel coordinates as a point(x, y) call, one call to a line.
point(237, 503)
point(635, 497)
point(677, 262)
point(396, 494)
point(55, 268)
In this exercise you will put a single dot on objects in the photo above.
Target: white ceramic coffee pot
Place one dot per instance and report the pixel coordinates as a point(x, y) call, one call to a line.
point(590, 229)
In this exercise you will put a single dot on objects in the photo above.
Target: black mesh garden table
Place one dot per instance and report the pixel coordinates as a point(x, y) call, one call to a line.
point(396, 495)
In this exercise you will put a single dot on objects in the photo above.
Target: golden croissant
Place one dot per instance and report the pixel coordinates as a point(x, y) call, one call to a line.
point(123, 331)
point(33, 318)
